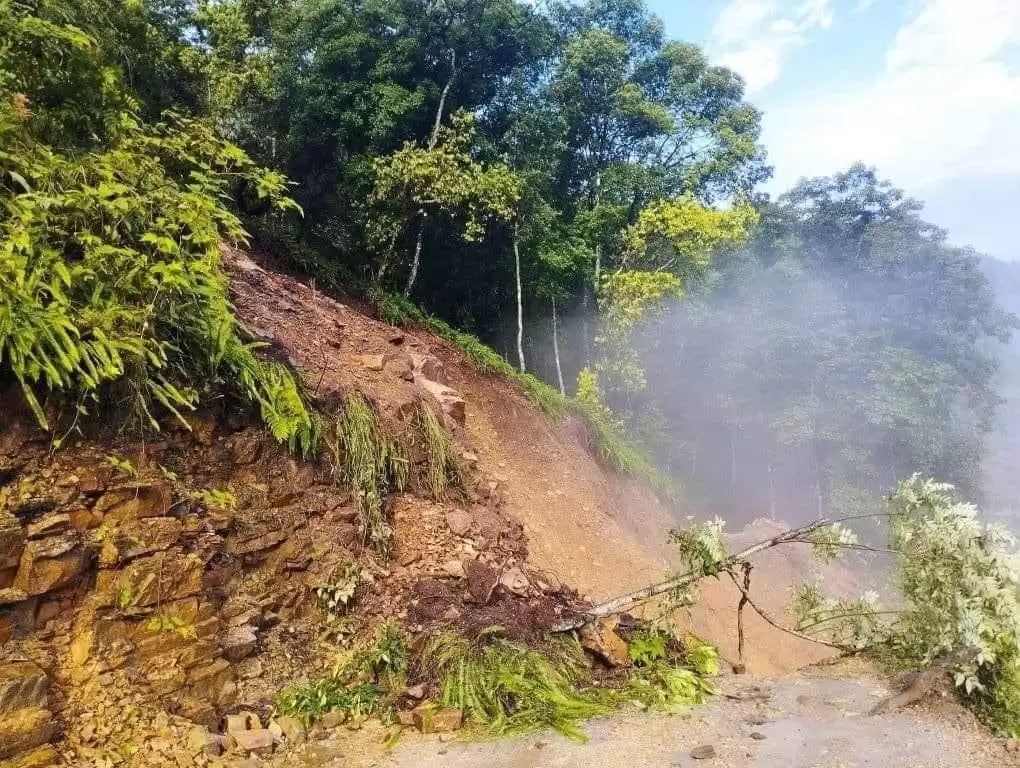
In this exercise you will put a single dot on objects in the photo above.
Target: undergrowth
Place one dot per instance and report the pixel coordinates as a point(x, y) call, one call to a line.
point(111, 285)
point(505, 688)
point(363, 682)
point(371, 463)
point(606, 435)
point(441, 466)
point(502, 687)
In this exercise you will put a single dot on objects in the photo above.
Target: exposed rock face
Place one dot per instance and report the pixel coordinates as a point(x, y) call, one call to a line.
point(12, 541)
point(25, 722)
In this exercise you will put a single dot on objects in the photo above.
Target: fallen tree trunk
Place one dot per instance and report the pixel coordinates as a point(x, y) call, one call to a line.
point(625, 602)
point(920, 684)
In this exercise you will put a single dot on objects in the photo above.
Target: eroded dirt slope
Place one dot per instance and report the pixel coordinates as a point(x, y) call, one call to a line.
point(601, 533)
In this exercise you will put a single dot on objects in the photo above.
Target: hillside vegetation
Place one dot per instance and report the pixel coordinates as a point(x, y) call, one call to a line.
point(566, 195)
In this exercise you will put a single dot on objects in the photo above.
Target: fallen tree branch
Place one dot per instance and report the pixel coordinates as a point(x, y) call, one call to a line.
point(624, 602)
point(741, 667)
point(761, 612)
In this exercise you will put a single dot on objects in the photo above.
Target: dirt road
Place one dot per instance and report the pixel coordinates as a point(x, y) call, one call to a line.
point(813, 719)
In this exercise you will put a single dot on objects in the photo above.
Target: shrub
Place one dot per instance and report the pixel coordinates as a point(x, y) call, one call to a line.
point(111, 285)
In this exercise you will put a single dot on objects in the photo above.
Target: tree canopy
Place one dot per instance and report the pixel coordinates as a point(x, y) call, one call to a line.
point(561, 179)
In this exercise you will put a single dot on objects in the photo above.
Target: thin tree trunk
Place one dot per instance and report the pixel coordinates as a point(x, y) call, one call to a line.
point(520, 300)
point(442, 101)
point(416, 260)
point(433, 139)
point(556, 350)
point(386, 257)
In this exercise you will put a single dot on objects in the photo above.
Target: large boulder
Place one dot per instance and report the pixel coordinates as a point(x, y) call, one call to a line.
point(450, 401)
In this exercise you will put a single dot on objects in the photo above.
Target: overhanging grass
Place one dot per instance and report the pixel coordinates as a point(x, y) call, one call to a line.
point(504, 688)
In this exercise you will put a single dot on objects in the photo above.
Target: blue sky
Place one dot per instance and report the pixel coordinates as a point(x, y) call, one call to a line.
point(927, 91)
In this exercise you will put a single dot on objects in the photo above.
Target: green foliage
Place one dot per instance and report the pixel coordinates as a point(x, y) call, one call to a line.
point(647, 647)
point(370, 463)
point(682, 234)
point(309, 702)
point(169, 622)
point(385, 659)
point(358, 686)
point(125, 466)
point(701, 546)
point(445, 179)
point(667, 687)
point(959, 591)
point(109, 256)
point(442, 467)
point(337, 594)
point(503, 688)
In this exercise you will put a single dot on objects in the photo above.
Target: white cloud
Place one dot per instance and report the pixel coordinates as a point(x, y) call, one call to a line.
point(755, 37)
point(945, 106)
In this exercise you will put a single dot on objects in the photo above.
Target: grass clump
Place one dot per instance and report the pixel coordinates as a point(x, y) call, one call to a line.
point(369, 462)
point(363, 682)
point(504, 688)
point(441, 466)
point(309, 702)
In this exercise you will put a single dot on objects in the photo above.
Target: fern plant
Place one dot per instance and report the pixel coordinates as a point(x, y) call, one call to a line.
point(111, 284)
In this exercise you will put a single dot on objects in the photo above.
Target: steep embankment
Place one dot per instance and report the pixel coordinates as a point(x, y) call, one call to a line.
point(151, 584)
point(598, 532)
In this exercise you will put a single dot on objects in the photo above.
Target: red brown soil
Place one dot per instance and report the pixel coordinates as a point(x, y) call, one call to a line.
point(598, 532)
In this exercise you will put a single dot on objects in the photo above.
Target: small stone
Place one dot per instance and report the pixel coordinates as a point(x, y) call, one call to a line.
point(292, 729)
point(454, 568)
point(514, 580)
point(275, 729)
point(459, 522)
point(258, 741)
point(758, 736)
point(333, 719)
point(431, 720)
point(242, 721)
point(373, 362)
point(406, 718)
point(704, 752)
point(740, 669)
point(416, 691)
point(239, 643)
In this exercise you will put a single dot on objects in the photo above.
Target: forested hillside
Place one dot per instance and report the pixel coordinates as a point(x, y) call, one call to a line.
point(214, 443)
point(563, 181)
